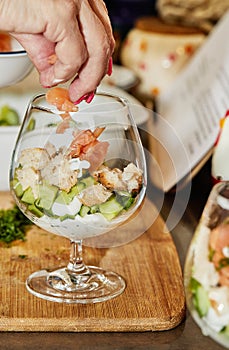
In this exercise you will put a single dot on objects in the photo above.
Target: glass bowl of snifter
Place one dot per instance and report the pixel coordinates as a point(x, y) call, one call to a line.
point(78, 175)
point(206, 274)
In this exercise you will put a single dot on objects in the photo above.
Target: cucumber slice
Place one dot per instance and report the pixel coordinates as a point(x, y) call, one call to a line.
point(17, 188)
point(124, 198)
point(193, 285)
point(84, 210)
point(75, 190)
point(94, 209)
point(67, 216)
point(201, 301)
point(34, 210)
point(47, 195)
point(111, 208)
point(28, 196)
point(110, 216)
point(88, 181)
point(64, 198)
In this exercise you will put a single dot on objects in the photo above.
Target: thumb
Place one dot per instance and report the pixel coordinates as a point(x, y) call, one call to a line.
point(39, 49)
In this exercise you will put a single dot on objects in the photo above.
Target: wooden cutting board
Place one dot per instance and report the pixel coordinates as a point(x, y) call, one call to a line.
point(153, 299)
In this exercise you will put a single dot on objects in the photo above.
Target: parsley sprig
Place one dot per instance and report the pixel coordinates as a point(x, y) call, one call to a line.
point(13, 225)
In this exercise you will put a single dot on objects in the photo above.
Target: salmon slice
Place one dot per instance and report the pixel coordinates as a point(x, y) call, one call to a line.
point(59, 97)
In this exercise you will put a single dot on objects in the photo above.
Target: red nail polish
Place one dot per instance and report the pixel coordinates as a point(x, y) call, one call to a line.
point(90, 97)
point(110, 66)
point(84, 97)
point(87, 97)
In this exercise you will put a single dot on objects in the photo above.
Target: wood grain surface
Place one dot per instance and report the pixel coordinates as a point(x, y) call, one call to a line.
point(153, 299)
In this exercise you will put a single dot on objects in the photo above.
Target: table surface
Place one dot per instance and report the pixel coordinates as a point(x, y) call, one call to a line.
point(185, 336)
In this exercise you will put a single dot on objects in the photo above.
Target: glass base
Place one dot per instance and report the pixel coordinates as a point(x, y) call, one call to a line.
point(96, 286)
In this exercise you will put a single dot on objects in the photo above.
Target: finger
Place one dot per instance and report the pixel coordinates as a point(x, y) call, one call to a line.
point(100, 9)
point(39, 50)
point(101, 12)
point(61, 37)
point(68, 59)
point(70, 48)
point(96, 66)
point(71, 53)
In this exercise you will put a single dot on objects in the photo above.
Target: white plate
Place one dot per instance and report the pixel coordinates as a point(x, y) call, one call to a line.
point(121, 77)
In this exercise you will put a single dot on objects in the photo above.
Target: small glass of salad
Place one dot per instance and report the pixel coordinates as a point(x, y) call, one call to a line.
point(78, 172)
point(206, 273)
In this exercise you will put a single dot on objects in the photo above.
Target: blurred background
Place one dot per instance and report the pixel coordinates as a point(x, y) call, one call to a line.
point(156, 38)
point(124, 13)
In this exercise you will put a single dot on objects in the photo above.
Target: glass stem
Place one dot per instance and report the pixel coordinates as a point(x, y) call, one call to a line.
point(76, 265)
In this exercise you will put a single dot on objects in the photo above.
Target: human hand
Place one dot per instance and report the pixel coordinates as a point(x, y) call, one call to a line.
point(76, 33)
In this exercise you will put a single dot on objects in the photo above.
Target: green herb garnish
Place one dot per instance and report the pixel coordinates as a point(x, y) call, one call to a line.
point(211, 254)
point(13, 225)
point(23, 256)
point(223, 263)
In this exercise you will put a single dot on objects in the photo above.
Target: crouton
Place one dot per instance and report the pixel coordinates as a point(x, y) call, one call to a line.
point(95, 194)
point(36, 158)
point(97, 172)
point(132, 176)
point(51, 149)
point(112, 179)
point(58, 172)
point(28, 177)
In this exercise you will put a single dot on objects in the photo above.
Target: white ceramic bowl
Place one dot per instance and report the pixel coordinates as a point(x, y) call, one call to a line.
point(14, 65)
point(8, 135)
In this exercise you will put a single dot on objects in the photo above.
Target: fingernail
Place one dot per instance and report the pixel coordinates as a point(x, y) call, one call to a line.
point(87, 97)
point(110, 66)
point(58, 81)
point(84, 97)
point(90, 97)
point(46, 86)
